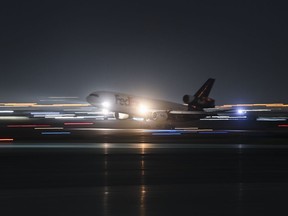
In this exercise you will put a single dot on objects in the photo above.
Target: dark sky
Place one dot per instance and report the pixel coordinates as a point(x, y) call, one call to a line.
point(161, 49)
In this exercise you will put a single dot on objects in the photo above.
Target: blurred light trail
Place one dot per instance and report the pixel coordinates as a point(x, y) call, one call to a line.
point(49, 128)
point(271, 119)
point(6, 111)
point(254, 105)
point(43, 105)
point(78, 123)
point(27, 126)
point(283, 125)
point(13, 117)
point(56, 133)
point(212, 132)
point(63, 97)
point(166, 134)
point(6, 139)
point(69, 117)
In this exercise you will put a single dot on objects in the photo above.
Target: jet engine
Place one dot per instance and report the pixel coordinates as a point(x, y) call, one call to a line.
point(121, 116)
point(188, 99)
point(159, 116)
point(198, 103)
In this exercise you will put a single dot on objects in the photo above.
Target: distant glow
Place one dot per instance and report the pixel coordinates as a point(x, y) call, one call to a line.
point(106, 104)
point(143, 109)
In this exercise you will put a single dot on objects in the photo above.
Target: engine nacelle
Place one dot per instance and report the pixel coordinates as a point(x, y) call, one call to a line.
point(159, 116)
point(188, 99)
point(121, 116)
point(198, 103)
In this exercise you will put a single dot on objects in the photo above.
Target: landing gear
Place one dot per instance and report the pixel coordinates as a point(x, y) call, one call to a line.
point(116, 115)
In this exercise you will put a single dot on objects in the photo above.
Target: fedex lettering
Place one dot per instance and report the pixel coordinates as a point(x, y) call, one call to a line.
point(125, 100)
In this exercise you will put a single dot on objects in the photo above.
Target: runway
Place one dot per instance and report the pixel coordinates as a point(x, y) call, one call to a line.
point(143, 179)
point(108, 167)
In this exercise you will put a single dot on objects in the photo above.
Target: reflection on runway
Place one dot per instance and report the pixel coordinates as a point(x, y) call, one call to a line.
point(144, 179)
point(200, 199)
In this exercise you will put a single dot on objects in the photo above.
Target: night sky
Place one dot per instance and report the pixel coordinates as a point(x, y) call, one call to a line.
point(161, 49)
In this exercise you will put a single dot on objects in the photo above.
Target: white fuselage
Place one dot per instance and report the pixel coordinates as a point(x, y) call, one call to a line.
point(132, 105)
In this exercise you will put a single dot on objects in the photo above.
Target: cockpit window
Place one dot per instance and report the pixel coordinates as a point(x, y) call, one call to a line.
point(95, 95)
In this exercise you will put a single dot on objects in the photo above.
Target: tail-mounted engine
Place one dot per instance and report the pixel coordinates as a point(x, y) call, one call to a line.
point(198, 103)
point(201, 100)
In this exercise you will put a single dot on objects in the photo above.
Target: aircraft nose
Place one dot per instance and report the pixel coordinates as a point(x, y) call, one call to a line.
point(92, 98)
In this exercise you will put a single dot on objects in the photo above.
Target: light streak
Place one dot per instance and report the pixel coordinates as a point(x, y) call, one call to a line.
point(6, 111)
point(78, 123)
point(56, 133)
point(6, 139)
point(13, 117)
point(27, 126)
point(49, 128)
point(283, 125)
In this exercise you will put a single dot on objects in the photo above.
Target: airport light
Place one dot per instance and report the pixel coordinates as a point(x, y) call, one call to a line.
point(241, 111)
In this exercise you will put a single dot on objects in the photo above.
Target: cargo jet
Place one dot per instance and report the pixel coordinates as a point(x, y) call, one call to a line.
point(126, 106)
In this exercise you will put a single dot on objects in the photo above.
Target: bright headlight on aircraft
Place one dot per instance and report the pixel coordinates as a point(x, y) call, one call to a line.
point(143, 109)
point(106, 104)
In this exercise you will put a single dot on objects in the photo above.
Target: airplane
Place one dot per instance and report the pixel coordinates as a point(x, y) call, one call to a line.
point(126, 106)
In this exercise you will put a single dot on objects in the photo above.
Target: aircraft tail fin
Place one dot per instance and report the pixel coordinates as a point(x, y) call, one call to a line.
point(201, 99)
point(205, 89)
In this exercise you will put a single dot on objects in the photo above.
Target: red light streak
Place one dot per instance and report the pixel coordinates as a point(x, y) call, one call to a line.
point(283, 125)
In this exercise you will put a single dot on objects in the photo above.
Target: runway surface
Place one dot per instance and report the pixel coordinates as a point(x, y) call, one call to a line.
point(143, 179)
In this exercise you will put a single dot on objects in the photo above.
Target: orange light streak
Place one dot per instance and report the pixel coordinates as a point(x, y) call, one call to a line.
point(6, 139)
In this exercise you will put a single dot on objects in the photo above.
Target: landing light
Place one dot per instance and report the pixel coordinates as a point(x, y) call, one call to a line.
point(143, 109)
point(106, 104)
